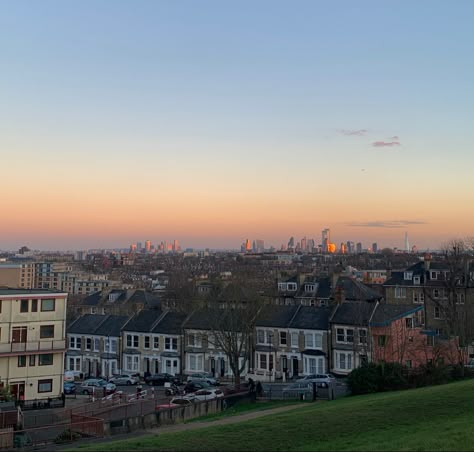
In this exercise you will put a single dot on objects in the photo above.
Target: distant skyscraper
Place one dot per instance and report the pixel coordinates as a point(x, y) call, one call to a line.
point(139, 246)
point(260, 246)
point(325, 239)
point(359, 247)
point(407, 243)
point(291, 243)
point(374, 247)
point(350, 246)
point(147, 246)
point(303, 244)
point(133, 247)
point(248, 246)
point(176, 245)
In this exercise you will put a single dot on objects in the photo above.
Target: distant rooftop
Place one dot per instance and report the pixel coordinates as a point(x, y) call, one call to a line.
point(8, 291)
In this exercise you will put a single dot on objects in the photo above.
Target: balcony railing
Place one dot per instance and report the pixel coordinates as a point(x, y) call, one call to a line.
point(33, 346)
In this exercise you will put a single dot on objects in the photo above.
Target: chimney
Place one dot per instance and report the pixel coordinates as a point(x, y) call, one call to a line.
point(339, 296)
point(427, 260)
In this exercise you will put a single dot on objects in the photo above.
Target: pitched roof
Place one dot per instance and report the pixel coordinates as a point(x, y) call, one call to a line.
point(355, 290)
point(170, 323)
point(387, 313)
point(86, 324)
point(311, 318)
point(144, 321)
point(276, 316)
point(353, 313)
point(112, 326)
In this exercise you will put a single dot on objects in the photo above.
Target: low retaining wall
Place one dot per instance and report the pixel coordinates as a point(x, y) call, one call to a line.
point(175, 415)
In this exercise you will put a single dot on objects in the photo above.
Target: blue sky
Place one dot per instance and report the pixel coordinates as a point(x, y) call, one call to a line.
point(247, 94)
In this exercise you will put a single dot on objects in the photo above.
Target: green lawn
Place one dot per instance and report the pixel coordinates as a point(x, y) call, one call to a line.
point(244, 407)
point(435, 418)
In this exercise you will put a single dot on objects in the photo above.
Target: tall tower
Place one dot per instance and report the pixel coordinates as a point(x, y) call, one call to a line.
point(407, 243)
point(325, 239)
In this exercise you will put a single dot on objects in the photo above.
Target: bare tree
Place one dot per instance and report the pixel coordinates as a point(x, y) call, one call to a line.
point(231, 317)
point(452, 297)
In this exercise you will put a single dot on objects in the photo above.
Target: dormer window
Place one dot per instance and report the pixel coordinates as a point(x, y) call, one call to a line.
point(416, 280)
point(291, 287)
point(282, 287)
point(310, 288)
point(407, 276)
point(433, 275)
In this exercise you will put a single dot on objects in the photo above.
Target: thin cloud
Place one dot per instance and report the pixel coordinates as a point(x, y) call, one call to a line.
point(394, 138)
point(386, 224)
point(359, 133)
point(382, 144)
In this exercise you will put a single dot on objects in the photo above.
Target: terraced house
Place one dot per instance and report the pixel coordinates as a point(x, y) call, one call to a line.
point(152, 342)
point(94, 344)
point(32, 342)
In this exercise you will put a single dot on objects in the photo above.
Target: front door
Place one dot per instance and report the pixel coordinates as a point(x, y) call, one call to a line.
point(17, 390)
point(295, 367)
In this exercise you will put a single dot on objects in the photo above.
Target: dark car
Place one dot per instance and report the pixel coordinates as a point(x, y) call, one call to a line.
point(69, 388)
point(193, 386)
point(161, 379)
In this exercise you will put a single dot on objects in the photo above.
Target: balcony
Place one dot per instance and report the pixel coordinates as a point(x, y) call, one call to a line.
point(17, 348)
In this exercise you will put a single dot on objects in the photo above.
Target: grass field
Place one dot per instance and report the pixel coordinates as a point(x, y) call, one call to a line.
point(435, 418)
point(242, 407)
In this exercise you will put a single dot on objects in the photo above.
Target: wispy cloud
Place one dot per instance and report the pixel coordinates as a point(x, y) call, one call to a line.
point(359, 133)
point(382, 144)
point(394, 138)
point(386, 224)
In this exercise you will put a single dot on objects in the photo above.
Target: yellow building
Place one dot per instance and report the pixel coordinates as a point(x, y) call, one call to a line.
point(32, 342)
point(17, 275)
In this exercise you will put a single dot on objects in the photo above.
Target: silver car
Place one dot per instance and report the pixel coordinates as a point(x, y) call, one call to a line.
point(96, 385)
point(203, 377)
point(124, 379)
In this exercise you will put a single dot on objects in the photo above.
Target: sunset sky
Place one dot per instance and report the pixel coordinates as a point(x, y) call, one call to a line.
point(212, 122)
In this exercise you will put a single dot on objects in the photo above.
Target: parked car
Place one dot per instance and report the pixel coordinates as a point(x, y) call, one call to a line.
point(470, 364)
point(69, 388)
point(208, 378)
point(124, 379)
point(317, 378)
point(69, 376)
point(193, 386)
point(177, 401)
point(161, 379)
point(97, 385)
point(208, 394)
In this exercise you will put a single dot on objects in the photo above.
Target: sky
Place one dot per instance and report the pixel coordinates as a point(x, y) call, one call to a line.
point(212, 122)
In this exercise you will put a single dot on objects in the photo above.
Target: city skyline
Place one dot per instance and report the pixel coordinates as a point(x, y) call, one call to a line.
point(212, 122)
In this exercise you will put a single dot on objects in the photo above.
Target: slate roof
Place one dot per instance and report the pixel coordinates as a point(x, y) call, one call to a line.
point(276, 316)
point(353, 313)
point(387, 313)
point(311, 318)
point(198, 320)
point(93, 299)
point(112, 326)
point(86, 324)
point(144, 321)
point(171, 323)
point(135, 296)
point(355, 290)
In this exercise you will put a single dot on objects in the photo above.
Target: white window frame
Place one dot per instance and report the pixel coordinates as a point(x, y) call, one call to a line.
point(295, 339)
point(156, 342)
point(418, 297)
point(400, 292)
point(169, 342)
point(77, 341)
point(132, 340)
point(344, 361)
point(345, 336)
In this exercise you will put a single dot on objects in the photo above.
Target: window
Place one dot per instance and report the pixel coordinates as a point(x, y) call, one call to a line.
point(146, 341)
point(283, 339)
point(345, 335)
point(19, 334)
point(88, 343)
point(343, 361)
point(381, 340)
point(32, 361)
point(418, 297)
point(47, 305)
point(132, 362)
point(156, 342)
point(171, 343)
point(407, 276)
point(132, 340)
point(24, 306)
point(195, 362)
point(45, 360)
point(75, 342)
point(194, 340)
point(211, 341)
point(22, 361)
point(460, 298)
point(34, 305)
point(294, 339)
point(260, 337)
point(433, 275)
point(416, 280)
point(113, 346)
point(362, 336)
point(263, 361)
point(409, 322)
point(400, 292)
point(46, 331)
point(96, 344)
point(291, 287)
point(45, 385)
point(437, 312)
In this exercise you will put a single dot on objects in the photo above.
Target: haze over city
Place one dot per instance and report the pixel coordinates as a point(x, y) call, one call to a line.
point(213, 123)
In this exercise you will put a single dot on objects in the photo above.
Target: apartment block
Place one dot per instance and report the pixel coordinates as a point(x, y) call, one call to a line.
point(32, 342)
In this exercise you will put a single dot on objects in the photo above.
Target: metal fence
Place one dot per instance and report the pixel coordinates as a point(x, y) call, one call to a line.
point(63, 432)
